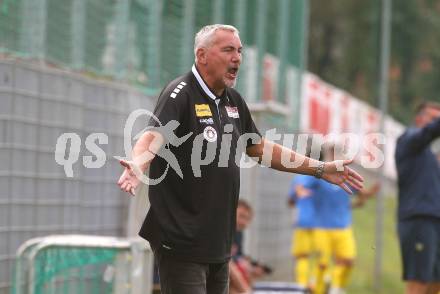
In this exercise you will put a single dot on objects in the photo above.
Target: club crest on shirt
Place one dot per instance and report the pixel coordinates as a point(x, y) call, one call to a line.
point(210, 134)
point(208, 121)
point(203, 110)
point(232, 111)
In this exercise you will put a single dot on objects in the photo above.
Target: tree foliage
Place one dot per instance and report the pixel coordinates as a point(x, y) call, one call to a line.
point(344, 50)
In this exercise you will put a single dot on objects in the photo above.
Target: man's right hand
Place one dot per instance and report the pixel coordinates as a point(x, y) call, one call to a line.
point(143, 153)
point(130, 178)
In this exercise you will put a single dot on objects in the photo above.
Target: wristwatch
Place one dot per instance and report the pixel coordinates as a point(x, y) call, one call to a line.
point(319, 169)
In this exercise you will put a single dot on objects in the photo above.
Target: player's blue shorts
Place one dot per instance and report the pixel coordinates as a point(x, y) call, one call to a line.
point(420, 248)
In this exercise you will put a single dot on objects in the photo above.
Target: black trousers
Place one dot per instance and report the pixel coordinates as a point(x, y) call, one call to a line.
point(183, 277)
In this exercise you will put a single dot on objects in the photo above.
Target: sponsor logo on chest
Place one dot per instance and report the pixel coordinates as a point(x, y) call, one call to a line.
point(232, 111)
point(207, 121)
point(203, 110)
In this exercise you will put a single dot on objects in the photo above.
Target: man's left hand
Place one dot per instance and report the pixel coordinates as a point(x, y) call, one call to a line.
point(337, 172)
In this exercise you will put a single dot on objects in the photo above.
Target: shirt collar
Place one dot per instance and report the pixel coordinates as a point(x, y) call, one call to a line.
point(202, 83)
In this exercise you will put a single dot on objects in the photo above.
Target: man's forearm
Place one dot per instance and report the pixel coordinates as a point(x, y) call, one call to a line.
point(424, 136)
point(146, 149)
point(271, 154)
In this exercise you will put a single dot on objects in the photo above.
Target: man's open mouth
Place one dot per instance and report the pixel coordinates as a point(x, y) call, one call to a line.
point(232, 72)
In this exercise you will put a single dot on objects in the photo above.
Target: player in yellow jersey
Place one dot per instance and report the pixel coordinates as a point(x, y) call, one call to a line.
point(302, 238)
point(332, 236)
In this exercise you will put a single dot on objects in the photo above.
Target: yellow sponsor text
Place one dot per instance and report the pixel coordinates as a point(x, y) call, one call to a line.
point(203, 110)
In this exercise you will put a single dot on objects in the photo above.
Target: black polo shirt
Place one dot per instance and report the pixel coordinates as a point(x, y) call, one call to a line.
point(193, 218)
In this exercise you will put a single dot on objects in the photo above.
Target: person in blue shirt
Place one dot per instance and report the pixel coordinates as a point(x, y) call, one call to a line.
point(302, 238)
point(418, 212)
point(325, 212)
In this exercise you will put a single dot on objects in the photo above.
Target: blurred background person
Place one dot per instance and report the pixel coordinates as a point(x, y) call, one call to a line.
point(419, 202)
point(245, 214)
point(302, 248)
point(243, 270)
point(332, 236)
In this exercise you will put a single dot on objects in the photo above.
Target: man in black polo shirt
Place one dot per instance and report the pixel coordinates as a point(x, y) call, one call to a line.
point(191, 222)
point(419, 202)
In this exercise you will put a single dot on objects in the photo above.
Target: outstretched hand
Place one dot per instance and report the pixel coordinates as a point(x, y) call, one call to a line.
point(129, 179)
point(337, 172)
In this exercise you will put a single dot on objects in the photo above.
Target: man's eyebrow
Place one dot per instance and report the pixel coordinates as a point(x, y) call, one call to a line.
point(232, 46)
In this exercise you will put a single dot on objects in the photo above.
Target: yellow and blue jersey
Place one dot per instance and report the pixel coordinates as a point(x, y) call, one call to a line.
point(328, 206)
point(332, 204)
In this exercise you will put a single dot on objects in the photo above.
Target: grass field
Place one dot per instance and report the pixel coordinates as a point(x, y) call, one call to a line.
point(364, 225)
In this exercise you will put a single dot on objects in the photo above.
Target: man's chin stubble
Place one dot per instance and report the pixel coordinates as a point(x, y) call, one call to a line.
point(229, 83)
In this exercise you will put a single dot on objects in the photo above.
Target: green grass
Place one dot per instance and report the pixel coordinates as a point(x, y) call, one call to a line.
point(362, 279)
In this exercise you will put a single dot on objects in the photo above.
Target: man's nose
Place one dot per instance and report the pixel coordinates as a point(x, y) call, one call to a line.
point(236, 57)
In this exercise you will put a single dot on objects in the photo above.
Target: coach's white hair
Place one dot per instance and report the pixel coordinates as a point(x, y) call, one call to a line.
point(203, 38)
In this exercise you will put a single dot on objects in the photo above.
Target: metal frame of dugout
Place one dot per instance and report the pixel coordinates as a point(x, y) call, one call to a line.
point(83, 264)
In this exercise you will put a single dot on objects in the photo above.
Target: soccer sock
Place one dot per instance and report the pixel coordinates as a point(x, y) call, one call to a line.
point(346, 276)
point(341, 276)
point(320, 279)
point(302, 271)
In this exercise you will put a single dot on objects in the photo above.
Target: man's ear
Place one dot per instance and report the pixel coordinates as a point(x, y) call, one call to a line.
point(201, 55)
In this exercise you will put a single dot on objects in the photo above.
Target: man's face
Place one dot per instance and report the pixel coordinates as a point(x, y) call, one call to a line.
point(223, 58)
point(426, 116)
point(244, 217)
